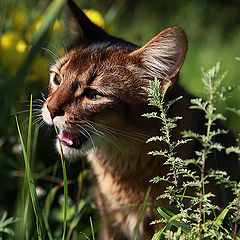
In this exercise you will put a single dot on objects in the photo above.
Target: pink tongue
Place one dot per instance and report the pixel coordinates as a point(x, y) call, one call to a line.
point(68, 137)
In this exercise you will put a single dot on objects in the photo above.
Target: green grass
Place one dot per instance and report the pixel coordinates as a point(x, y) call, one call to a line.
point(144, 205)
point(65, 188)
point(29, 178)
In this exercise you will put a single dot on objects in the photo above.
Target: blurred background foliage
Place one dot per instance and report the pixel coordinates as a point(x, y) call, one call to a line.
point(213, 29)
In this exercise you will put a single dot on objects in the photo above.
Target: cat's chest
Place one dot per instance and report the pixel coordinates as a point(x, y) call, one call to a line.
point(124, 178)
point(121, 197)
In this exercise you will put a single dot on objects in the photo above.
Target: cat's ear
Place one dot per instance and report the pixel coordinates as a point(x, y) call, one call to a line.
point(163, 56)
point(82, 28)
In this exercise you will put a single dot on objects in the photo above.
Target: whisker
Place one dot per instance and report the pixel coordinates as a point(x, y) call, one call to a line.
point(111, 131)
point(88, 136)
point(20, 112)
point(42, 124)
point(26, 120)
point(97, 131)
point(50, 52)
point(91, 125)
point(103, 137)
point(134, 135)
point(23, 101)
point(37, 120)
point(38, 100)
point(56, 52)
point(43, 97)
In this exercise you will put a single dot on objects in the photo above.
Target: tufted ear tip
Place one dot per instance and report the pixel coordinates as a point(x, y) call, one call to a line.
point(84, 30)
point(163, 56)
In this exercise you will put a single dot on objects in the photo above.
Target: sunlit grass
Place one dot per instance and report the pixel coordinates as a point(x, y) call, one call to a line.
point(65, 187)
point(29, 178)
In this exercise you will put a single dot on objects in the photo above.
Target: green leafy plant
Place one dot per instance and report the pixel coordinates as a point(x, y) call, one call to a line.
point(5, 222)
point(200, 218)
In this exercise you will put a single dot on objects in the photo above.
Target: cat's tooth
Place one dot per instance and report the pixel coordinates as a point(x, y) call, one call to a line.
point(68, 141)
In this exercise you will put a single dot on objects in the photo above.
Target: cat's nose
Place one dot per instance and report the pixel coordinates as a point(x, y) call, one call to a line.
point(55, 111)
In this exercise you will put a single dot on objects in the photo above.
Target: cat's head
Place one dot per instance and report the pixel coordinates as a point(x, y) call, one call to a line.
point(97, 86)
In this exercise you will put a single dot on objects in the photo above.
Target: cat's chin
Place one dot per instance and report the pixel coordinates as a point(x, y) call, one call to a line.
point(69, 152)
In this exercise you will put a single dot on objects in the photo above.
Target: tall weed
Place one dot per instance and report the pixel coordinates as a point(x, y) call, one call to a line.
point(200, 218)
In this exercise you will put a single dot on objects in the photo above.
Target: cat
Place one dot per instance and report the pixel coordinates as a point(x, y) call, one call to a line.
point(96, 99)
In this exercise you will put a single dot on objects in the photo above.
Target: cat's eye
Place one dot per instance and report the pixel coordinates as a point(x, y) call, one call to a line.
point(57, 79)
point(93, 95)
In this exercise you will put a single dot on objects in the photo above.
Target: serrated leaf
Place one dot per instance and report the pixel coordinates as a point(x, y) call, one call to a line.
point(151, 115)
point(217, 146)
point(191, 134)
point(9, 231)
point(180, 142)
point(155, 180)
point(156, 138)
point(4, 222)
point(198, 103)
point(158, 179)
point(218, 132)
point(159, 153)
point(171, 102)
point(233, 150)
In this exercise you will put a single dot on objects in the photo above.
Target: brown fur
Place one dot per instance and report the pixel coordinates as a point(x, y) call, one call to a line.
point(118, 70)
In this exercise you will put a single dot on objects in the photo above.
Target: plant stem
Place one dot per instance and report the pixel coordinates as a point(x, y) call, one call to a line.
point(65, 187)
point(167, 132)
point(78, 199)
point(80, 185)
point(201, 195)
point(236, 223)
point(202, 174)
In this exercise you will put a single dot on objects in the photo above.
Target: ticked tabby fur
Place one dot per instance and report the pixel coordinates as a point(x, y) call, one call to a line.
point(96, 100)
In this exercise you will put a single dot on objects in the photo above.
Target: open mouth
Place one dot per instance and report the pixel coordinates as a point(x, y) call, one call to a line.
point(72, 140)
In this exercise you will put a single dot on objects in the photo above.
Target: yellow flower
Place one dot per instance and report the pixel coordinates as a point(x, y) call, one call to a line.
point(18, 18)
point(12, 48)
point(12, 41)
point(95, 17)
point(9, 40)
point(21, 46)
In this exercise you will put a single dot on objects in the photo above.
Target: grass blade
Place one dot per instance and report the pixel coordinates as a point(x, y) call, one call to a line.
point(29, 178)
point(48, 203)
point(221, 216)
point(173, 221)
point(92, 229)
point(3, 14)
point(29, 138)
point(159, 234)
point(142, 212)
point(65, 187)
